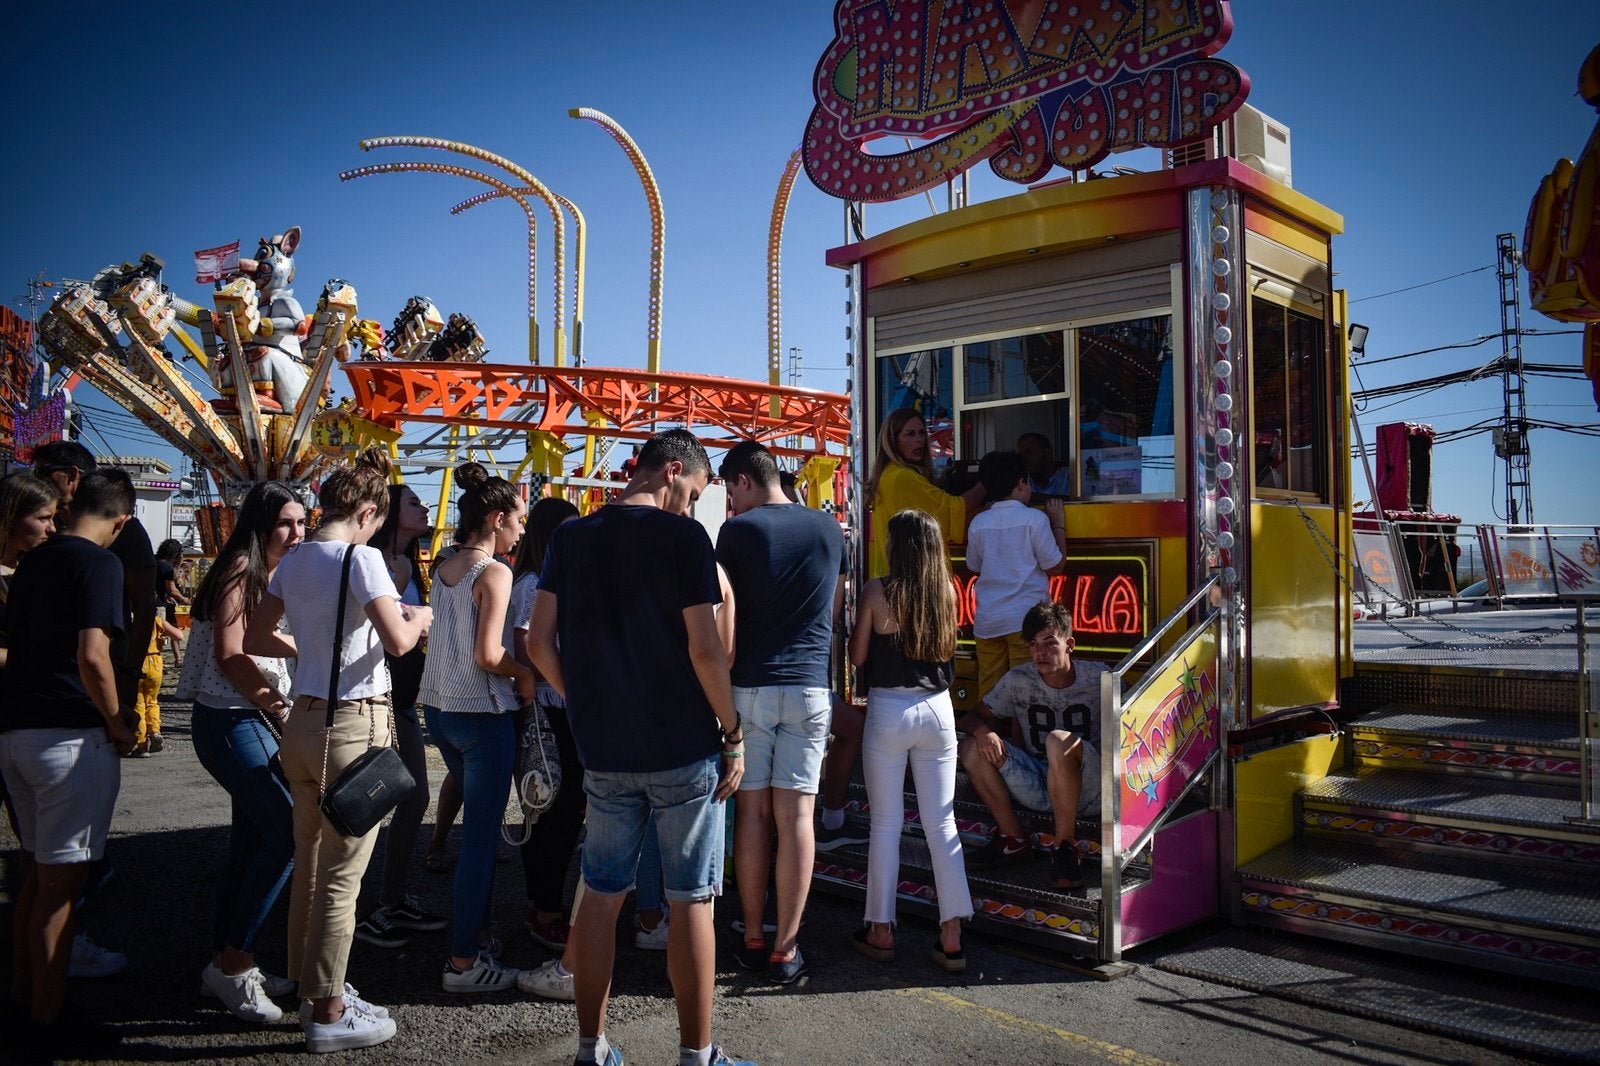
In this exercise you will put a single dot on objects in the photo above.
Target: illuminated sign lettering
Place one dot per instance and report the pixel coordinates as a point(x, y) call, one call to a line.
point(1109, 590)
point(1168, 728)
point(1025, 84)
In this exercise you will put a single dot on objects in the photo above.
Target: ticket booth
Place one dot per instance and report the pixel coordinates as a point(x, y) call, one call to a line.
point(1166, 348)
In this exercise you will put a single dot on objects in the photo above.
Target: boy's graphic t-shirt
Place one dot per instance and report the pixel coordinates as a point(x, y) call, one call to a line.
point(1022, 694)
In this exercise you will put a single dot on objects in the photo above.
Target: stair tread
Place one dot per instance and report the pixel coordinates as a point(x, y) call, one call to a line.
point(1548, 898)
point(1480, 799)
point(1558, 731)
point(1026, 883)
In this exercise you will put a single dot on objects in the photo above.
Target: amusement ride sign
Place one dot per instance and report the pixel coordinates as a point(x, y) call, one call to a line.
point(1025, 84)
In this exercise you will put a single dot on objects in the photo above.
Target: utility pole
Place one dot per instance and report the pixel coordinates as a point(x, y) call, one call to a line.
point(1511, 438)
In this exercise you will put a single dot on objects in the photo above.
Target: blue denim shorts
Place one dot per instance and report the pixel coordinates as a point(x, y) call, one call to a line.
point(785, 735)
point(687, 821)
point(1027, 778)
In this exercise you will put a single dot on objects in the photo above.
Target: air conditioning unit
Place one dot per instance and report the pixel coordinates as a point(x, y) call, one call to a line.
point(1253, 138)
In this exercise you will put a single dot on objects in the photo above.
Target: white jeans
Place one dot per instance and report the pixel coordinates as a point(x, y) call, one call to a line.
point(919, 726)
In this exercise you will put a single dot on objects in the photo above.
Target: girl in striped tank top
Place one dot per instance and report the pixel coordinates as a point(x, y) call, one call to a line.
point(470, 686)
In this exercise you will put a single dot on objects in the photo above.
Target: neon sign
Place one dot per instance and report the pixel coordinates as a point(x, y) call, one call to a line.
point(1107, 588)
point(1025, 84)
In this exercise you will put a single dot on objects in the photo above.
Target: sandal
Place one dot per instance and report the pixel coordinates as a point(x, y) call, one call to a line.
point(871, 950)
point(436, 861)
point(949, 961)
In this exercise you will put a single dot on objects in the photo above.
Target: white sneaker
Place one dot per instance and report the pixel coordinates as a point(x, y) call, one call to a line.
point(243, 995)
point(91, 960)
point(352, 998)
point(355, 1028)
point(484, 975)
point(650, 939)
point(548, 981)
point(277, 986)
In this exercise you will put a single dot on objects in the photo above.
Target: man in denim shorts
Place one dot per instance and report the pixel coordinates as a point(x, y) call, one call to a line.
point(623, 628)
point(1046, 754)
point(785, 563)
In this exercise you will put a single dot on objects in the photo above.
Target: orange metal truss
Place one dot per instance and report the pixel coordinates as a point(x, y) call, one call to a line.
point(604, 402)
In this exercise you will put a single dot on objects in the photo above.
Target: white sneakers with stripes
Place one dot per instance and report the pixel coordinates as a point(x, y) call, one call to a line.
point(484, 975)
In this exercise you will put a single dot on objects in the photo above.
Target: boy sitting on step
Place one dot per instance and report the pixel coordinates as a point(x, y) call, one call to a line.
point(1035, 739)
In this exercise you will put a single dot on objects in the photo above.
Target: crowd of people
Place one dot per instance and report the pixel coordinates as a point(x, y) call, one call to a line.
point(615, 635)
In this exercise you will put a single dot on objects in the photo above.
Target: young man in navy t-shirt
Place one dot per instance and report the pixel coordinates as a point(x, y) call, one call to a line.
point(785, 563)
point(61, 738)
point(623, 628)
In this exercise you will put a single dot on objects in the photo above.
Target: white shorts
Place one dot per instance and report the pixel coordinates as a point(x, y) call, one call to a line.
point(63, 785)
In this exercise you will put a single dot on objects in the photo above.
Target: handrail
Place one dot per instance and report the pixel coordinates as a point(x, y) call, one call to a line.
point(1114, 858)
point(1142, 649)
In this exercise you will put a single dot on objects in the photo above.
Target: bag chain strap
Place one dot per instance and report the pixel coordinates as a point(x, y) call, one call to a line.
point(333, 682)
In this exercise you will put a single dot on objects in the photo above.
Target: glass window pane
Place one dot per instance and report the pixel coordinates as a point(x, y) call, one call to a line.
point(1269, 402)
point(1015, 367)
point(1308, 443)
point(924, 381)
point(1125, 397)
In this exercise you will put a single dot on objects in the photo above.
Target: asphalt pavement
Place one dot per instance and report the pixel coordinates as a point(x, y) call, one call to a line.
point(168, 841)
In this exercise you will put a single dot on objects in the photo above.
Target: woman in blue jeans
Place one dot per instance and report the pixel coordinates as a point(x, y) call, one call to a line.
point(471, 684)
point(240, 707)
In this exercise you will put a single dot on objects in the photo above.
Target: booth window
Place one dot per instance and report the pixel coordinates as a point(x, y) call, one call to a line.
point(923, 380)
point(1125, 408)
point(1014, 368)
point(1289, 399)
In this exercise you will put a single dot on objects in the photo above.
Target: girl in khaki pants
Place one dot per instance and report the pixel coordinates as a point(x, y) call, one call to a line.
point(306, 590)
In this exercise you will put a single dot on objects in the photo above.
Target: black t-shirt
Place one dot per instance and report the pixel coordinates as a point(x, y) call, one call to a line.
point(622, 578)
point(65, 585)
point(784, 562)
point(132, 548)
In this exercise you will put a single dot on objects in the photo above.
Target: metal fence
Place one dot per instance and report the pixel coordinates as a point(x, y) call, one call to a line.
point(1406, 565)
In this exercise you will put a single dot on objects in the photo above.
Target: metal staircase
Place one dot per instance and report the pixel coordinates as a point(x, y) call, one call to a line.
point(1448, 837)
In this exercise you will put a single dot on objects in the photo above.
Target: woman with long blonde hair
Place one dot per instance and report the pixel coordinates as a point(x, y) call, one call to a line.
point(902, 479)
point(904, 644)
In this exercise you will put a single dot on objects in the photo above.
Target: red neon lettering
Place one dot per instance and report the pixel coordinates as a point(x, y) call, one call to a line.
point(1082, 620)
point(1120, 608)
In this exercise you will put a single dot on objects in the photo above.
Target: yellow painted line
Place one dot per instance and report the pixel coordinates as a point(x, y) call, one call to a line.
point(1086, 1044)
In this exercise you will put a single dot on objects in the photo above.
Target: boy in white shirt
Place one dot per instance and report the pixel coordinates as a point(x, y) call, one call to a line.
point(1015, 551)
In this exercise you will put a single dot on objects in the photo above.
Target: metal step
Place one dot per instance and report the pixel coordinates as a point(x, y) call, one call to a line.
point(1017, 902)
point(1501, 689)
point(1537, 920)
point(976, 825)
point(1495, 819)
point(1529, 747)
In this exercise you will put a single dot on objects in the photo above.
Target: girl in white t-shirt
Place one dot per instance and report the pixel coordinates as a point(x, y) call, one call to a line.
point(306, 589)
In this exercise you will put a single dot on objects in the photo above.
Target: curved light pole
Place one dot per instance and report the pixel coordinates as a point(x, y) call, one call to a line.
point(461, 148)
point(581, 246)
point(780, 208)
point(652, 196)
point(503, 188)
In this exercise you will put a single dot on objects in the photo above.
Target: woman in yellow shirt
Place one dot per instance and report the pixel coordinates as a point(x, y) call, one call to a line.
point(902, 478)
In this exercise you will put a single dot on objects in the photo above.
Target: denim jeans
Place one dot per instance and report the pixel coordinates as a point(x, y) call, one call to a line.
point(678, 805)
point(647, 886)
point(400, 839)
point(238, 751)
point(480, 751)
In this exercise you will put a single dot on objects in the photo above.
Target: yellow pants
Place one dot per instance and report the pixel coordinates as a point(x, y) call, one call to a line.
point(148, 703)
point(996, 655)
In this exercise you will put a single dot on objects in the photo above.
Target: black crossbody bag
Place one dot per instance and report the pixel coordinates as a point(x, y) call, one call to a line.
point(375, 783)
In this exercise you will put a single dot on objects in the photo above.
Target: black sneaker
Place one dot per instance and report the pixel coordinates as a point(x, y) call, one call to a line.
point(788, 972)
point(844, 836)
point(752, 957)
point(1001, 851)
point(1065, 869)
point(408, 914)
point(376, 928)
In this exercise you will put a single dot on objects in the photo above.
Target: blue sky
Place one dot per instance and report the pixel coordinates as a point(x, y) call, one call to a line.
point(1428, 126)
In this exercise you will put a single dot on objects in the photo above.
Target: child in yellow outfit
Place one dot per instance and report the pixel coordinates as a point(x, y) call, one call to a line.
point(147, 733)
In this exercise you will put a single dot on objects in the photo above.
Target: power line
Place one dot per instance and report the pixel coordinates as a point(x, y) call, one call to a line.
point(1424, 284)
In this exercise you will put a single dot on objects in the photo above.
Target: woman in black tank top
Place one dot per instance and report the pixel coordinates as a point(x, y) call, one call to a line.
point(904, 644)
